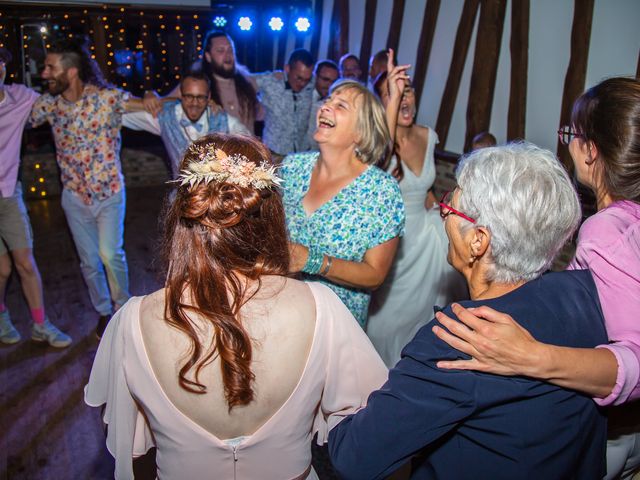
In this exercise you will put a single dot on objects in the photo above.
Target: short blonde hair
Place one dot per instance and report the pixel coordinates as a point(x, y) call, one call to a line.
point(375, 140)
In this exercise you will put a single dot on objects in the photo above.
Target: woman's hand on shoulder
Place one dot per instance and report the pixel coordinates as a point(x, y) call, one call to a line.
point(495, 341)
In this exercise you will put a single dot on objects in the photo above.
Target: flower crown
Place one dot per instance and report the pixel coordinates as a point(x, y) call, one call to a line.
point(214, 165)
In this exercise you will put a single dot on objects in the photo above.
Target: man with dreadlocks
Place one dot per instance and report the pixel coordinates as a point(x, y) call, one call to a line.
point(85, 115)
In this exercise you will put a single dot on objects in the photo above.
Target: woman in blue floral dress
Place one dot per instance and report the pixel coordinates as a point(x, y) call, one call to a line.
point(344, 215)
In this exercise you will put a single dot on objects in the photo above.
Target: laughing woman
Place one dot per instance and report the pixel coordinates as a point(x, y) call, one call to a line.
point(344, 215)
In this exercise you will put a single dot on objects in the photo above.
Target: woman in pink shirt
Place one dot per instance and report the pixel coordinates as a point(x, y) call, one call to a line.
point(232, 368)
point(604, 142)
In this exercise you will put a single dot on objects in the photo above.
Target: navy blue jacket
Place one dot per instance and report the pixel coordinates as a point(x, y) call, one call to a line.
point(468, 425)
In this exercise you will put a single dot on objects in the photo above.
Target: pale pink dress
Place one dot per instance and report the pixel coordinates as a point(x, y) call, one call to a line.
point(341, 371)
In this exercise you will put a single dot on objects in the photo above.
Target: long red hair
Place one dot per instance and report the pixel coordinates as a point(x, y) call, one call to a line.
point(218, 236)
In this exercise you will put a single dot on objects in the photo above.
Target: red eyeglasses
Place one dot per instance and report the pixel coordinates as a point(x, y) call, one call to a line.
point(446, 209)
point(566, 134)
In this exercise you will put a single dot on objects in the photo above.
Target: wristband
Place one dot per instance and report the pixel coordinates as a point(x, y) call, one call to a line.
point(314, 261)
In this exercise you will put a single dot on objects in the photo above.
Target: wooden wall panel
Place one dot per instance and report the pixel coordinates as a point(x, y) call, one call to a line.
point(460, 49)
point(429, 22)
point(367, 36)
point(395, 27)
point(318, 8)
point(485, 68)
point(339, 30)
point(577, 70)
point(519, 46)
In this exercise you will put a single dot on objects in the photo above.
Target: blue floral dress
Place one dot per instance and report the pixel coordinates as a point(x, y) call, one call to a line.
point(367, 212)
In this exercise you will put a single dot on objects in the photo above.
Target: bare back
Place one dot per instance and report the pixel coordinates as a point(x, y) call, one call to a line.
point(280, 319)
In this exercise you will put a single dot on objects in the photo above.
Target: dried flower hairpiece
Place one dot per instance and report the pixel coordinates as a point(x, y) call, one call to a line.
point(215, 165)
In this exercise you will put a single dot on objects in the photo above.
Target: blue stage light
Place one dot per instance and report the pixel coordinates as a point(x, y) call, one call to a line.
point(303, 24)
point(276, 24)
point(245, 23)
point(219, 21)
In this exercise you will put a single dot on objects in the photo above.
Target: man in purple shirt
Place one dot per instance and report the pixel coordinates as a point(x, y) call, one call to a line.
point(16, 241)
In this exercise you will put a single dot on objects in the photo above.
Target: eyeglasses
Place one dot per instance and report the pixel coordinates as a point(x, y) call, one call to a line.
point(446, 209)
point(195, 98)
point(566, 134)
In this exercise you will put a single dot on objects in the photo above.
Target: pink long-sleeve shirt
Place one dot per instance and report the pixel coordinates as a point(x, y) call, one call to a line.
point(609, 246)
point(14, 111)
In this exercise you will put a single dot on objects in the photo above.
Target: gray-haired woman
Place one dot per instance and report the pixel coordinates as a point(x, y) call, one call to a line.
point(514, 209)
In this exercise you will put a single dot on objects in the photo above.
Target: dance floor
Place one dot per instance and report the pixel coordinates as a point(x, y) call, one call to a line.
point(46, 430)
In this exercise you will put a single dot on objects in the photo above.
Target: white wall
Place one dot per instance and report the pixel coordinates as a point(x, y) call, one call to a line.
point(615, 40)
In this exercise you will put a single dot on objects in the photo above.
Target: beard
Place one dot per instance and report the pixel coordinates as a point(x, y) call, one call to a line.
point(59, 85)
point(222, 70)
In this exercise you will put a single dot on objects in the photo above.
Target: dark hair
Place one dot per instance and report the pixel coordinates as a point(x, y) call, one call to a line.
point(381, 55)
point(609, 116)
point(301, 55)
point(484, 139)
point(398, 171)
point(325, 64)
point(247, 96)
point(74, 52)
point(5, 55)
point(196, 75)
point(217, 236)
point(346, 57)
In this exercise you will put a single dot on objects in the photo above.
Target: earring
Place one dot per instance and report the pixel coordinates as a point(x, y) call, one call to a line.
point(358, 152)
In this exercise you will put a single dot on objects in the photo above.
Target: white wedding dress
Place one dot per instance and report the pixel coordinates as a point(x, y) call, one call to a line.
point(420, 277)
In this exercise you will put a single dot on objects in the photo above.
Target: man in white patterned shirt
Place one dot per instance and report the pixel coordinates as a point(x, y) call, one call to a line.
point(286, 98)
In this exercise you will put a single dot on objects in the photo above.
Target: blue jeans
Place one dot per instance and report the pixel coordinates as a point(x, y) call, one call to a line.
point(98, 232)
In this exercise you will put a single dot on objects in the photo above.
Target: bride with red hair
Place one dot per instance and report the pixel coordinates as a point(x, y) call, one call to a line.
point(232, 367)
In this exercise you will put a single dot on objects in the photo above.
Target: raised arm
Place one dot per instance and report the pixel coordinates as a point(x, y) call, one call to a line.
point(397, 78)
point(152, 102)
point(499, 345)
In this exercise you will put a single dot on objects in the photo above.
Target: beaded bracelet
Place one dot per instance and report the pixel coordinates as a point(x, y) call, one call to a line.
point(314, 261)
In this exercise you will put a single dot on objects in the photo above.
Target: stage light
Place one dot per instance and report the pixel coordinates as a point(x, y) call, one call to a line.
point(303, 24)
point(245, 23)
point(219, 21)
point(276, 24)
point(43, 29)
